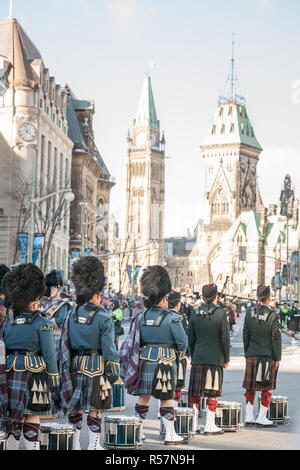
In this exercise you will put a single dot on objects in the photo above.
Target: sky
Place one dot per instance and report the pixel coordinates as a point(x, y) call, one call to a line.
point(101, 48)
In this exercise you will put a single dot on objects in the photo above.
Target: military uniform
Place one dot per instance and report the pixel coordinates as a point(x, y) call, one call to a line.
point(262, 348)
point(161, 345)
point(209, 343)
point(94, 357)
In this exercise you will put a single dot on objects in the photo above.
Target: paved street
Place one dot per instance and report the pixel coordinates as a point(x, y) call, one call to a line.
point(283, 437)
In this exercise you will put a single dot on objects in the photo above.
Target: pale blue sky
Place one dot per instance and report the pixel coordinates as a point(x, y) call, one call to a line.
point(101, 48)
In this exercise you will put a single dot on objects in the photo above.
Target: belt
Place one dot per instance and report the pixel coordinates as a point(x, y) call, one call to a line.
point(160, 345)
point(86, 352)
point(23, 352)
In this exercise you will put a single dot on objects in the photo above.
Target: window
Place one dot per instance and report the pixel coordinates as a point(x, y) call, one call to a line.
point(223, 129)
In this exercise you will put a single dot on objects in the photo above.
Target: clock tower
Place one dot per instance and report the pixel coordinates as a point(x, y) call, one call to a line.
point(145, 184)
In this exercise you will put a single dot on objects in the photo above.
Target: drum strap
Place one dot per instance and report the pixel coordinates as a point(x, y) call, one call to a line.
point(261, 313)
point(85, 320)
point(156, 322)
point(15, 320)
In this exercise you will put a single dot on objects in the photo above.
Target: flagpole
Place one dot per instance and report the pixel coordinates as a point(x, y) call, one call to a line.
point(10, 8)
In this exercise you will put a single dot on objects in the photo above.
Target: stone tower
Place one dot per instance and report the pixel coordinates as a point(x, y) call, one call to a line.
point(231, 154)
point(145, 185)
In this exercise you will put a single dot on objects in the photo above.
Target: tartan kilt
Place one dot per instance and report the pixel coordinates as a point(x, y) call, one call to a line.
point(83, 389)
point(198, 377)
point(147, 376)
point(18, 395)
point(250, 376)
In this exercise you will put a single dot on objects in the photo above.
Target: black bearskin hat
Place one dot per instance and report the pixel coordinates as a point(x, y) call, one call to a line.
point(155, 285)
point(3, 270)
point(23, 285)
point(209, 293)
point(263, 292)
point(88, 278)
point(53, 279)
point(173, 299)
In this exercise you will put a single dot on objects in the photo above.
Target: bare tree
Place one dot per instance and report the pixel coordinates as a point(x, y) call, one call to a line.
point(49, 215)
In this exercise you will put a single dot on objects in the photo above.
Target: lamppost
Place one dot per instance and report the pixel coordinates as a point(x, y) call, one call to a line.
point(69, 197)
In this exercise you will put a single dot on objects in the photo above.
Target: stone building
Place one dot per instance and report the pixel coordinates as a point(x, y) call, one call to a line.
point(145, 184)
point(177, 251)
point(91, 183)
point(35, 149)
point(241, 243)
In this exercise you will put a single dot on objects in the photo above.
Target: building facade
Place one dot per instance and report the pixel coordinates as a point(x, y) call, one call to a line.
point(35, 151)
point(91, 184)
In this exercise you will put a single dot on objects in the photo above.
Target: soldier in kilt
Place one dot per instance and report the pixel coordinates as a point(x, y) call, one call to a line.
point(209, 342)
point(162, 342)
point(90, 352)
point(31, 367)
point(262, 346)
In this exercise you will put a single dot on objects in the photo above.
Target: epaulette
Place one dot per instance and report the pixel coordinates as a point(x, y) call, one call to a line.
point(47, 327)
point(176, 318)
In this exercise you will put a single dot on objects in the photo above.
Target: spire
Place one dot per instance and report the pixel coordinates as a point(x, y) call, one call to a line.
point(19, 50)
point(232, 92)
point(146, 112)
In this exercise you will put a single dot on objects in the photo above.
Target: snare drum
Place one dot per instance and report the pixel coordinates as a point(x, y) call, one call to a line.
point(229, 416)
point(118, 397)
point(183, 424)
point(3, 440)
point(57, 436)
point(123, 432)
point(278, 410)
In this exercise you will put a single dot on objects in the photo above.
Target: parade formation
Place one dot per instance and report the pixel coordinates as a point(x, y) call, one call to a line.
point(59, 360)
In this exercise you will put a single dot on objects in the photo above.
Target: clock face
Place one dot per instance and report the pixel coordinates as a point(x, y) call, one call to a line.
point(27, 132)
point(141, 139)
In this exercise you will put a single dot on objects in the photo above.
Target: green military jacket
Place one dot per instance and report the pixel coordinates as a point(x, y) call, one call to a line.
point(262, 333)
point(209, 336)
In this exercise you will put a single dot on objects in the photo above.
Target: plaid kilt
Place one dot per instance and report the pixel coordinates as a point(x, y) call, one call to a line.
point(197, 383)
point(18, 395)
point(250, 376)
point(147, 376)
point(82, 390)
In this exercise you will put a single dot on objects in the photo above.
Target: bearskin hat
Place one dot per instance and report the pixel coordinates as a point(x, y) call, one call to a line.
point(263, 292)
point(3, 270)
point(209, 293)
point(53, 279)
point(155, 285)
point(23, 285)
point(88, 278)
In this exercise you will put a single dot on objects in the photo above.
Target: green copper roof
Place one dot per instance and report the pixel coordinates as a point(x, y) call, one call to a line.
point(146, 107)
point(231, 125)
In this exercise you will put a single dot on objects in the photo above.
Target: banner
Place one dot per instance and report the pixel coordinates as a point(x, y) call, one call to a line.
point(129, 272)
point(294, 266)
point(284, 275)
point(38, 242)
point(136, 272)
point(278, 281)
point(22, 239)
